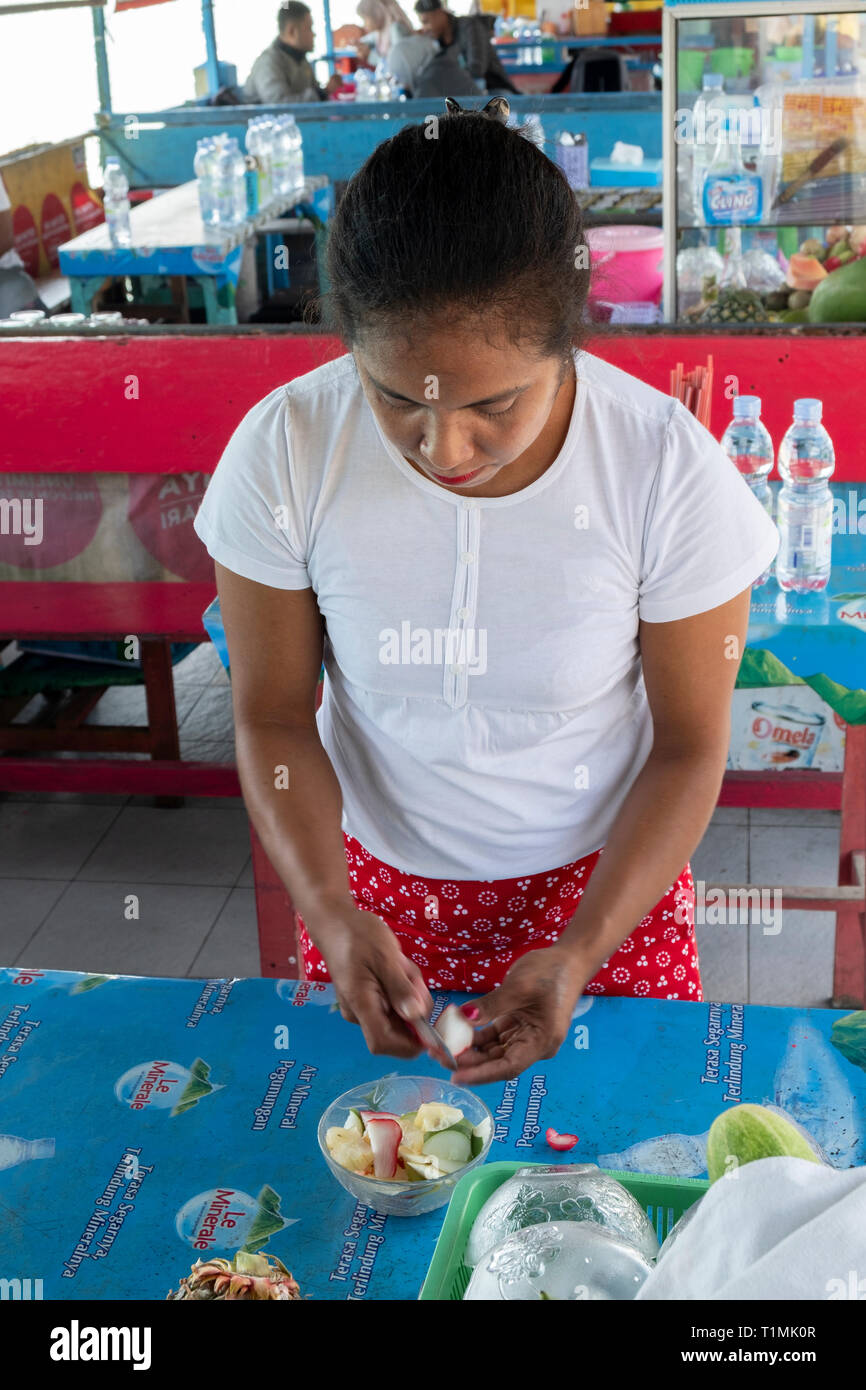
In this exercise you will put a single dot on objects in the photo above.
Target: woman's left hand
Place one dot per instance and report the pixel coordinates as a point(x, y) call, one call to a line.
point(526, 1019)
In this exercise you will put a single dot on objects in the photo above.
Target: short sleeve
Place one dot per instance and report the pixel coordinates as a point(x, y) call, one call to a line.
point(250, 519)
point(706, 536)
point(5, 204)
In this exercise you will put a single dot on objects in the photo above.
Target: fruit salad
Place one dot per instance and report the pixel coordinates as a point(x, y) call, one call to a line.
point(431, 1142)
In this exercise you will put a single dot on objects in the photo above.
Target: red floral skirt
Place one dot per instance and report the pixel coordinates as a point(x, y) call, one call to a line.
point(464, 934)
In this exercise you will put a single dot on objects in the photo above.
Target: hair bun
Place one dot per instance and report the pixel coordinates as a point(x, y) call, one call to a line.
point(497, 109)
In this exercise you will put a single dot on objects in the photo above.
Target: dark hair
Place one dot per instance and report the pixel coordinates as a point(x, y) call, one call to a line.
point(474, 219)
point(291, 13)
point(426, 6)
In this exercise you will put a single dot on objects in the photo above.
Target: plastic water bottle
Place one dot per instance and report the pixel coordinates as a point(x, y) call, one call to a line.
point(805, 513)
point(296, 161)
point(281, 158)
point(731, 194)
point(204, 164)
point(116, 200)
point(702, 144)
point(230, 172)
point(266, 148)
point(747, 444)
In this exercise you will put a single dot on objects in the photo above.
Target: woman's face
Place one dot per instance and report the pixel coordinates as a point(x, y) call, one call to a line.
point(463, 412)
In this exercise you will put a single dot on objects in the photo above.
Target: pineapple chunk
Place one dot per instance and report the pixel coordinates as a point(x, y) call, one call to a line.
point(350, 1149)
point(436, 1115)
point(413, 1139)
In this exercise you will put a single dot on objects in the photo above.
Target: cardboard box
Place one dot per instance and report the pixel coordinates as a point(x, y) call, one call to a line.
point(52, 202)
point(589, 18)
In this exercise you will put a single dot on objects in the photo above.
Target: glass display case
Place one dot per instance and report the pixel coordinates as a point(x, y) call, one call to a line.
point(765, 161)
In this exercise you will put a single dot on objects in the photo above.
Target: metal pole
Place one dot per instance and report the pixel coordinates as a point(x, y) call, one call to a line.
point(207, 23)
point(101, 55)
point(329, 38)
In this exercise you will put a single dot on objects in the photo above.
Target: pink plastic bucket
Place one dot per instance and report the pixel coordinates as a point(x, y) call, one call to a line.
point(626, 263)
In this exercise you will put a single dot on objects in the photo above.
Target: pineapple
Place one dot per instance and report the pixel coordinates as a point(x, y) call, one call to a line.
point(350, 1149)
point(245, 1277)
point(436, 1115)
point(735, 306)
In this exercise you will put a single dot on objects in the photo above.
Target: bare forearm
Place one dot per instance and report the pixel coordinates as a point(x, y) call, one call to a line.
point(298, 823)
point(659, 826)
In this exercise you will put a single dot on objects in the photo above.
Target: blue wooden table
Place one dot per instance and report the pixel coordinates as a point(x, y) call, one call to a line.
point(107, 1185)
point(169, 238)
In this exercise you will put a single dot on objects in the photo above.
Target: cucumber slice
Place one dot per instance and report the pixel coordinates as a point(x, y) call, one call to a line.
point(354, 1121)
point(449, 1165)
point(413, 1174)
point(450, 1144)
point(477, 1144)
point(423, 1170)
point(408, 1118)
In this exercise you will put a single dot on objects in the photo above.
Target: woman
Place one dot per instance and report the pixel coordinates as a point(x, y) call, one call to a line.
point(385, 23)
point(528, 574)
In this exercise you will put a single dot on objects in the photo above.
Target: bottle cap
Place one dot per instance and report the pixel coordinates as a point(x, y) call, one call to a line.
point(747, 407)
point(808, 410)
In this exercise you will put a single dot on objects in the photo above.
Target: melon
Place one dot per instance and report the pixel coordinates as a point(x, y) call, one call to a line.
point(841, 297)
point(805, 272)
point(749, 1132)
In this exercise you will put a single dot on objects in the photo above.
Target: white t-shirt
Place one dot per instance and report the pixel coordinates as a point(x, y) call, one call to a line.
point(10, 260)
point(508, 749)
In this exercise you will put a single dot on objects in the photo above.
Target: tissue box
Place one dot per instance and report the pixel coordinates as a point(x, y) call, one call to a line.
point(603, 173)
point(589, 17)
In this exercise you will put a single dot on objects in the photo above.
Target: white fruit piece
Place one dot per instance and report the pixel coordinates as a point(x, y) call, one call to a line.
point(354, 1121)
point(455, 1030)
point(436, 1115)
point(484, 1130)
point(413, 1138)
point(350, 1149)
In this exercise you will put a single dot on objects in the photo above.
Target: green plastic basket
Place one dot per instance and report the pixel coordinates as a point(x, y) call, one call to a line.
point(663, 1199)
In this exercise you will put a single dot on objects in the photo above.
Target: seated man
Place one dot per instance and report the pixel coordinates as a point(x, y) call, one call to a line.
point(423, 70)
point(283, 72)
point(470, 35)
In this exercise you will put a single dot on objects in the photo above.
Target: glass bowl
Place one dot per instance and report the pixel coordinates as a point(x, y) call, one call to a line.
point(401, 1094)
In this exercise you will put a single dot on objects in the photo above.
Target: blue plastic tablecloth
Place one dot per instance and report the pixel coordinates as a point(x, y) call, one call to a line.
point(108, 1204)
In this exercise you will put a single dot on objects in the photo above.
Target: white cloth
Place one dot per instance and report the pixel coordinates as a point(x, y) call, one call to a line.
point(478, 776)
point(10, 260)
point(776, 1228)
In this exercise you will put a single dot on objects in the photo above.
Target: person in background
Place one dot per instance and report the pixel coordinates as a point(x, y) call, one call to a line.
point(424, 70)
point(283, 72)
point(385, 24)
point(17, 290)
point(471, 36)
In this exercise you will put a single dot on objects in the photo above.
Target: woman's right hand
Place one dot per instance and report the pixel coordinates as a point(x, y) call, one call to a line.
point(377, 986)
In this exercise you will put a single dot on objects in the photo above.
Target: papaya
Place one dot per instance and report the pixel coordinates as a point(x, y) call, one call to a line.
point(748, 1132)
point(805, 272)
point(841, 297)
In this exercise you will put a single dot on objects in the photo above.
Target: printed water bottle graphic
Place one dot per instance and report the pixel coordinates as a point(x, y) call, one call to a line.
point(676, 1155)
point(810, 1085)
point(805, 513)
point(14, 1150)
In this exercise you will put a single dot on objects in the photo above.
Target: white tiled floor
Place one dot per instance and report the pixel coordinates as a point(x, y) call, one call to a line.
point(69, 866)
